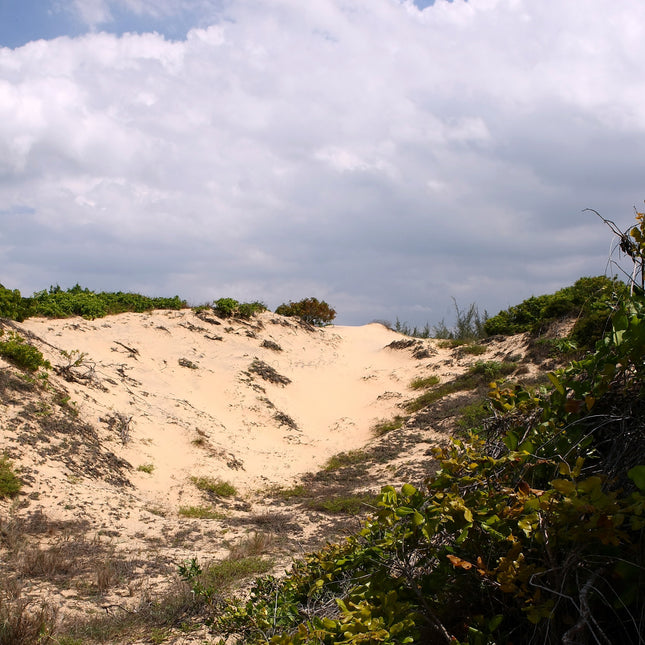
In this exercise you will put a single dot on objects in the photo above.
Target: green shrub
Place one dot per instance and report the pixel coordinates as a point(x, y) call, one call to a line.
point(309, 310)
point(79, 301)
point(10, 483)
point(17, 350)
point(343, 504)
point(492, 370)
point(590, 300)
point(473, 350)
point(12, 305)
point(225, 307)
point(231, 308)
point(247, 310)
point(345, 459)
point(383, 427)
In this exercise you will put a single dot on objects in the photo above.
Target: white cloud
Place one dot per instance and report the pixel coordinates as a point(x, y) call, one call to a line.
point(92, 12)
point(362, 148)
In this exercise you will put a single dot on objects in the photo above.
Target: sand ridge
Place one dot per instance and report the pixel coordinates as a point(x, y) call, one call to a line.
point(343, 380)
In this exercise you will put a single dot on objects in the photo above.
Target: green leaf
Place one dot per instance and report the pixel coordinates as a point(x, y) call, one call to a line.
point(510, 440)
point(418, 519)
point(408, 490)
point(557, 384)
point(637, 475)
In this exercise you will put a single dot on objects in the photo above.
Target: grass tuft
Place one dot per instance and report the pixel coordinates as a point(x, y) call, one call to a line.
point(214, 487)
point(200, 513)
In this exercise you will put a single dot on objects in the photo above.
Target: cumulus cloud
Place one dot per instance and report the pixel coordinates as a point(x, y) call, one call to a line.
point(375, 153)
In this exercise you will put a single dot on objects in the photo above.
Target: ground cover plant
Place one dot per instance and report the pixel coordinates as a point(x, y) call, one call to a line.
point(531, 530)
point(10, 483)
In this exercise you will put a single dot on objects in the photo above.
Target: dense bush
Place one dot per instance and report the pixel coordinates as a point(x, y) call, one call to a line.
point(79, 301)
point(590, 300)
point(310, 310)
point(531, 531)
point(12, 304)
point(231, 308)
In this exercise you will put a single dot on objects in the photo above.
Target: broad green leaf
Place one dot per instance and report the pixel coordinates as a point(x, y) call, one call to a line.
point(637, 475)
point(557, 384)
point(510, 440)
point(408, 490)
point(564, 486)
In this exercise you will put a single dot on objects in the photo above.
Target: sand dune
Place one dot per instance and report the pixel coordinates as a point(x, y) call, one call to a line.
point(138, 405)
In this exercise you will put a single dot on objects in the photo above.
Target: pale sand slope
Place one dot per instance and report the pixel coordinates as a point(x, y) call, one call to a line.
point(219, 419)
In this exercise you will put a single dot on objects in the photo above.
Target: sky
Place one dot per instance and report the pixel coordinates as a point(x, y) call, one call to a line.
point(387, 156)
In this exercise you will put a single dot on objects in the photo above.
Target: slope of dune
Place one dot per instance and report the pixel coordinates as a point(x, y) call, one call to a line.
point(138, 407)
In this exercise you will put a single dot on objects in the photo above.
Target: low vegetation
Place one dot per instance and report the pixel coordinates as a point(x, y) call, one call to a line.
point(18, 351)
point(478, 375)
point(590, 301)
point(215, 487)
point(78, 301)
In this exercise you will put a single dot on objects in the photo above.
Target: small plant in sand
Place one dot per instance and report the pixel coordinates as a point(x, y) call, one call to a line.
point(146, 468)
point(200, 513)
point(345, 459)
point(10, 483)
point(388, 425)
point(424, 383)
point(215, 487)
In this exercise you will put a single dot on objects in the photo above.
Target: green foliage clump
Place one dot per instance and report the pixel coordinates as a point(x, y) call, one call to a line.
point(10, 483)
point(231, 308)
point(12, 304)
point(530, 532)
point(343, 504)
point(590, 300)
point(79, 301)
point(17, 350)
point(310, 310)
